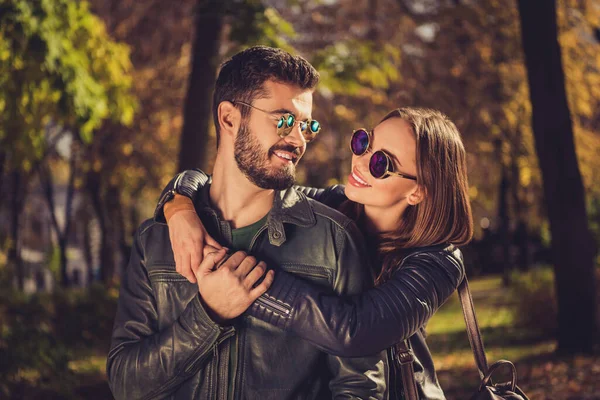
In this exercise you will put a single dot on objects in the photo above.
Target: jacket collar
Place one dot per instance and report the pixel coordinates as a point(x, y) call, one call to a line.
point(289, 207)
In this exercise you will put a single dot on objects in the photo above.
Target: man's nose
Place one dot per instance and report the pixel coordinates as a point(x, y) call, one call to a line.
point(296, 138)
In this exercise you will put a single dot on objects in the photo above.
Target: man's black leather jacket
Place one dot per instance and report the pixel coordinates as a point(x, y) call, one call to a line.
point(164, 345)
point(371, 321)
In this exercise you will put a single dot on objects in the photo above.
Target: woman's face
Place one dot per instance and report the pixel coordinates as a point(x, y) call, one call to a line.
point(396, 138)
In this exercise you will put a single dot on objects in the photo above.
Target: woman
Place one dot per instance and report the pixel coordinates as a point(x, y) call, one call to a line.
point(408, 193)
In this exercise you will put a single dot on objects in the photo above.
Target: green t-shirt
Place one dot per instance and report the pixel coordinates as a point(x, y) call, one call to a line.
point(241, 239)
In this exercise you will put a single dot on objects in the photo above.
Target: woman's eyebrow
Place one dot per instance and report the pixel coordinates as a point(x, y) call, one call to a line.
point(391, 154)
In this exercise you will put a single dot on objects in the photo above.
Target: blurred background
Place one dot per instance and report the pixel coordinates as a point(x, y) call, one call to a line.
point(102, 102)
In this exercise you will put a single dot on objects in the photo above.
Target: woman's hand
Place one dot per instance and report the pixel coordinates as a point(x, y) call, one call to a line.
point(228, 289)
point(188, 240)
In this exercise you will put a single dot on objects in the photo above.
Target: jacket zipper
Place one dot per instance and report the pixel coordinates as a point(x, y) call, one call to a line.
point(226, 335)
point(273, 305)
point(175, 380)
point(211, 377)
point(223, 373)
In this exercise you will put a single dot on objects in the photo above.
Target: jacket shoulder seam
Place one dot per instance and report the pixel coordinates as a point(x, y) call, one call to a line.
point(144, 228)
point(329, 213)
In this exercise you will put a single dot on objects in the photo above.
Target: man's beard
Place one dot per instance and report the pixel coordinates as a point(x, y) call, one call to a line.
point(254, 163)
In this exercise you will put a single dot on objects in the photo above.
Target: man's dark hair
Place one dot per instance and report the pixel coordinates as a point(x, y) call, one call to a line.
point(242, 77)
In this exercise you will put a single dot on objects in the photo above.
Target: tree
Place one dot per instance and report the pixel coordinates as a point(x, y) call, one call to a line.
point(210, 16)
point(62, 233)
point(572, 244)
point(125, 167)
point(58, 68)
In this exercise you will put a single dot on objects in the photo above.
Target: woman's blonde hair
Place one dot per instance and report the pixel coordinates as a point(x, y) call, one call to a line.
point(444, 215)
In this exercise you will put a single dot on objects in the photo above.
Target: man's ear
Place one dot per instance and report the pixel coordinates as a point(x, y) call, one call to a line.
point(417, 195)
point(229, 118)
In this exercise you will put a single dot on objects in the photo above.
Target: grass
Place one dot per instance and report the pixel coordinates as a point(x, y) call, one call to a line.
point(541, 374)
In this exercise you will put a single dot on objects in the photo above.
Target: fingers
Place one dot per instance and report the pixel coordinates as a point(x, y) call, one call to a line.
point(245, 266)
point(234, 260)
point(180, 267)
point(209, 241)
point(255, 274)
point(187, 240)
point(211, 249)
point(263, 286)
point(208, 263)
point(186, 268)
point(195, 261)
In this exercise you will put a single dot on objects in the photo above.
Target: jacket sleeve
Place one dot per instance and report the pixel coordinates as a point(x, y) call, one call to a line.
point(144, 362)
point(373, 320)
point(189, 183)
point(358, 377)
point(192, 180)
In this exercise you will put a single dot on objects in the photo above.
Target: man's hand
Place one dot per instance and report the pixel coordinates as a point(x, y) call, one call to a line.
point(229, 289)
point(188, 239)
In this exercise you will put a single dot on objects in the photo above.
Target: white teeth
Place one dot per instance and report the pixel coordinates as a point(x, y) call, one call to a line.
point(359, 179)
point(283, 155)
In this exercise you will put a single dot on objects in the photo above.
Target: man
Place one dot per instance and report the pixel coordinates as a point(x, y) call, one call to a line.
point(173, 337)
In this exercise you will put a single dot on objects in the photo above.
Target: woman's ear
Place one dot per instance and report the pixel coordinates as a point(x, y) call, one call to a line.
point(229, 118)
point(417, 195)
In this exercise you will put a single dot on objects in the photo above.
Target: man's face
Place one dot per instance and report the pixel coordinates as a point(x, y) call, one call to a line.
point(266, 159)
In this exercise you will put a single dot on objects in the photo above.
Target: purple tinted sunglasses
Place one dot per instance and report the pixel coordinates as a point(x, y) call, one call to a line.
point(380, 164)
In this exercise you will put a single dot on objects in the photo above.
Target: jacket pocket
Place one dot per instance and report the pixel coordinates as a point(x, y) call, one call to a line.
point(165, 274)
point(315, 273)
point(172, 293)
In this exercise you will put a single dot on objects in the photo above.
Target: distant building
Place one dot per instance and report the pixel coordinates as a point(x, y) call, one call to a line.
point(39, 243)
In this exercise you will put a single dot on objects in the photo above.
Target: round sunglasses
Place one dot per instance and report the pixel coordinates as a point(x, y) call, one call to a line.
point(286, 123)
point(380, 163)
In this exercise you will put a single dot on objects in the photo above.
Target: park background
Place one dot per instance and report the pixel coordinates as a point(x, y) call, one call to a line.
point(102, 102)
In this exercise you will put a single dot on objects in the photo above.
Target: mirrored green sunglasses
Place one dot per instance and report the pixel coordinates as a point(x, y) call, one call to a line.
point(286, 123)
point(309, 128)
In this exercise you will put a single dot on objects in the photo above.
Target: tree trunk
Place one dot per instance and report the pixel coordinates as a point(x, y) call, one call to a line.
point(197, 108)
point(573, 248)
point(2, 168)
point(503, 216)
point(3, 163)
point(107, 260)
point(62, 234)
point(520, 235)
point(116, 215)
point(87, 247)
point(14, 250)
point(68, 215)
point(62, 251)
